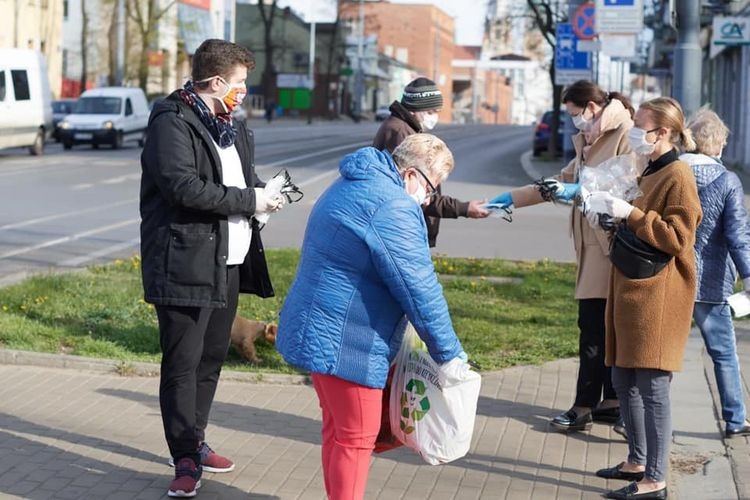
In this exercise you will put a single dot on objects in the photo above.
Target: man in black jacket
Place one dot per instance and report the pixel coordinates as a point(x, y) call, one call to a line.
point(200, 246)
point(418, 112)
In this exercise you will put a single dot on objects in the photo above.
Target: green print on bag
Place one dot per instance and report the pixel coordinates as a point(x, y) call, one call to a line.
point(414, 404)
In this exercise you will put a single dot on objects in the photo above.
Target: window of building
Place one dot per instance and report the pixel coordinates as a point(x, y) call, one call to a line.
point(2, 85)
point(65, 10)
point(20, 84)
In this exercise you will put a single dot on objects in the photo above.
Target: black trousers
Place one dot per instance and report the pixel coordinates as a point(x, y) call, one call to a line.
point(194, 345)
point(593, 377)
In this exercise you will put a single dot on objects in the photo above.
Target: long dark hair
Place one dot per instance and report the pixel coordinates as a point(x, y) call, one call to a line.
point(583, 92)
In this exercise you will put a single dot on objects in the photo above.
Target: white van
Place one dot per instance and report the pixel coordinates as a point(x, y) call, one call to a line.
point(106, 115)
point(25, 100)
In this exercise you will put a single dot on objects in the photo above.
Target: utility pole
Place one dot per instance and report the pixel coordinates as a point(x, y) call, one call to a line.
point(16, 10)
point(311, 71)
point(120, 57)
point(359, 78)
point(686, 78)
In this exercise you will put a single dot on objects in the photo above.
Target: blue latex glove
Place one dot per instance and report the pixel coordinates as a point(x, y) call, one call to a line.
point(503, 200)
point(562, 191)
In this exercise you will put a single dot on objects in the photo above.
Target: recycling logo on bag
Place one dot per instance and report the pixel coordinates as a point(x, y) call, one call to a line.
point(414, 404)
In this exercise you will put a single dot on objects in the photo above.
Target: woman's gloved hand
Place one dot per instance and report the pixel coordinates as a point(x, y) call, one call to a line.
point(562, 191)
point(602, 202)
point(503, 200)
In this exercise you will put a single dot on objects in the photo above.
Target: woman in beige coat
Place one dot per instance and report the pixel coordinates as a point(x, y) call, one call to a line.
point(649, 309)
point(604, 120)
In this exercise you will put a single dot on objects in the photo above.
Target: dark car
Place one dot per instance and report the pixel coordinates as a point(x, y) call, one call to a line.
point(542, 133)
point(60, 109)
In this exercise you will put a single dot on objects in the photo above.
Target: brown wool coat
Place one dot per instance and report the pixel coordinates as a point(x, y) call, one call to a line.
point(648, 320)
point(591, 245)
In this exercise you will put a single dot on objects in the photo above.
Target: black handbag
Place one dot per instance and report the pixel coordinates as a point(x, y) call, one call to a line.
point(635, 258)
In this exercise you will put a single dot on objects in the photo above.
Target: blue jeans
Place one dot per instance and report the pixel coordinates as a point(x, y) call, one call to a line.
point(715, 324)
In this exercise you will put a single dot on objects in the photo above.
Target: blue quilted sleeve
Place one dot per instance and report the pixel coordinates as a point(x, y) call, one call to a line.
point(736, 225)
point(397, 239)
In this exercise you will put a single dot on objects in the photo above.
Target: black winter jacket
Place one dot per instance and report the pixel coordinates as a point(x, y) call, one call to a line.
point(184, 208)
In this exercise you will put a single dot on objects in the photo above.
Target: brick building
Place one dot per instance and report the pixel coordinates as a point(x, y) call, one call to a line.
point(420, 36)
point(481, 94)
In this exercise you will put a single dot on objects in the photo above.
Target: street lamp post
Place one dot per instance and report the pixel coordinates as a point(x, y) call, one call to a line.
point(686, 78)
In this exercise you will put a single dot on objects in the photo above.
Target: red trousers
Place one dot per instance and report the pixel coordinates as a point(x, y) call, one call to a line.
point(351, 421)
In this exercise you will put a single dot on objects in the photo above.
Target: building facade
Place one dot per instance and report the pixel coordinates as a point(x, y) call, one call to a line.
point(37, 25)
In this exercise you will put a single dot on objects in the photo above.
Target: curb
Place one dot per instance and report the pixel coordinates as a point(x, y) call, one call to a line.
point(528, 168)
point(133, 368)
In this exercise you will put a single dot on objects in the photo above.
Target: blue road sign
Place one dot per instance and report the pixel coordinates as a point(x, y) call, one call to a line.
point(567, 56)
point(619, 3)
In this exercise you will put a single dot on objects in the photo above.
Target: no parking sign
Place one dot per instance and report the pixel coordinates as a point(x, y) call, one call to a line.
point(583, 21)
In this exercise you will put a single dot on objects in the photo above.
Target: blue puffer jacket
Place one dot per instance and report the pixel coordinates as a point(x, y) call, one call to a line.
point(365, 263)
point(723, 238)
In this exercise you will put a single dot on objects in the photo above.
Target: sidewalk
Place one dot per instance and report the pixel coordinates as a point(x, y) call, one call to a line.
point(80, 433)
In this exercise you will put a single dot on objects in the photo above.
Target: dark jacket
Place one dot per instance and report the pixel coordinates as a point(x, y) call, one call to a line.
point(722, 243)
point(391, 133)
point(184, 209)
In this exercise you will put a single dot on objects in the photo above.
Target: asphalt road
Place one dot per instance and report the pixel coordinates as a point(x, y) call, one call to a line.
point(69, 209)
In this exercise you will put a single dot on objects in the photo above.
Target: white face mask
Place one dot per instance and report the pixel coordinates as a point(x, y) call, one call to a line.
point(637, 139)
point(580, 122)
point(429, 121)
point(420, 195)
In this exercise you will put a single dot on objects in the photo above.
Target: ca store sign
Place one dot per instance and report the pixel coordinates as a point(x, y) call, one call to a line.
point(728, 31)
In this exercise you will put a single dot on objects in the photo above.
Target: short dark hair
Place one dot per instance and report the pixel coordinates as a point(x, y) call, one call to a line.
point(219, 57)
point(583, 92)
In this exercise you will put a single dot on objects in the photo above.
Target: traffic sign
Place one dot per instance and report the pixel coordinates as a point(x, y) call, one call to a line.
point(619, 16)
point(570, 64)
point(583, 21)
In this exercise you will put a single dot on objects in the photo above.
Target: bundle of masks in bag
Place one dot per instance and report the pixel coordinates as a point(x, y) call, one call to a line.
point(618, 176)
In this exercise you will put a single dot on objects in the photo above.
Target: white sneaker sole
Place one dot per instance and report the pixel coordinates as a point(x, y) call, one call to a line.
point(206, 468)
point(183, 494)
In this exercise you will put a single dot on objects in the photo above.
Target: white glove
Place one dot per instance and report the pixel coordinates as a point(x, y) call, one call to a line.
point(601, 202)
point(265, 204)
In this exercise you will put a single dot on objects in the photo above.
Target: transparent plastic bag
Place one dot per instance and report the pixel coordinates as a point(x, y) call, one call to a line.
point(618, 176)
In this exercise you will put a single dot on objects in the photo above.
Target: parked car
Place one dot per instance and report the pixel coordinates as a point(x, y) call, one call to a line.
point(382, 113)
point(60, 109)
point(542, 132)
point(107, 115)
point(25, 100)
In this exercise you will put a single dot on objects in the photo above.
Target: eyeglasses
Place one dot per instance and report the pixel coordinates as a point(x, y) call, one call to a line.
point(433, 190)
point(289, 189)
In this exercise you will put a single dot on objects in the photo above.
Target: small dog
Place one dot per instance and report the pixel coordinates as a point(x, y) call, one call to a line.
point(244, 334)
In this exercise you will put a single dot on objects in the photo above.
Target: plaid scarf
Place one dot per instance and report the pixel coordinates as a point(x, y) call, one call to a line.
point(219, 124)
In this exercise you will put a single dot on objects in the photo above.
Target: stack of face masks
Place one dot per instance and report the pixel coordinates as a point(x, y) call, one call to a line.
point(280, 185)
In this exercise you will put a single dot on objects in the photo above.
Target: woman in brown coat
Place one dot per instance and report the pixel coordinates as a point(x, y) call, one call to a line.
point(649, 310)
point(604, 120)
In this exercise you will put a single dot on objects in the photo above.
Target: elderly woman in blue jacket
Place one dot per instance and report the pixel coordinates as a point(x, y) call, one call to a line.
point(365, 264)
point(722, 250)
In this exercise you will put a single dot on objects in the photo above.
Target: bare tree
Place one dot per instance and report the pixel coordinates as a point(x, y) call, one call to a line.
point(268, 79)
point(546, 20)
point(84, 43)
point(334, 63)
point(146, 15)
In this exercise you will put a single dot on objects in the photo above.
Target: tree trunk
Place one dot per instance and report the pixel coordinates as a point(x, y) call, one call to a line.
point(84, 43)
point(112, 52)
point(330, 95)
point(268, 79)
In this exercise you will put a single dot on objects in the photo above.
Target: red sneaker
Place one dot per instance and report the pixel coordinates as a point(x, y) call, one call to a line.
point(187, 479)
point(212, 461)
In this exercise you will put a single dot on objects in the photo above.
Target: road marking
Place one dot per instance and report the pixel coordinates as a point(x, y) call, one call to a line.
point(313, 180)
point(356, 145)
point(66, 214)
point(66, 239)
point(77, 261)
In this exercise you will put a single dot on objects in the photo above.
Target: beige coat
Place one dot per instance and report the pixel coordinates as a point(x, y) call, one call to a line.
point(591, 245)
point(648, 320)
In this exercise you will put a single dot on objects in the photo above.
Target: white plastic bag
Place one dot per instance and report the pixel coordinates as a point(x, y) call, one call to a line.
point(432, 407)
point(272, 190)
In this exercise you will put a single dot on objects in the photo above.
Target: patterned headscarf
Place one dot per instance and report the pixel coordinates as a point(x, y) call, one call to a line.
point(219, 124)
